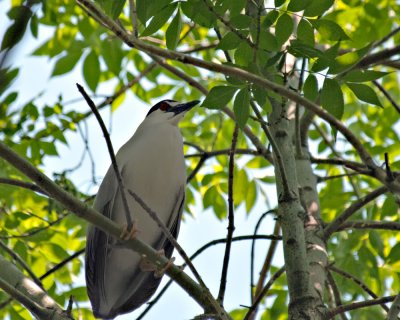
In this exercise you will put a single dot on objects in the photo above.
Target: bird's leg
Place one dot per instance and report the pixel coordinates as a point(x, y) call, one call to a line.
point(129, 233)
point(147, 265)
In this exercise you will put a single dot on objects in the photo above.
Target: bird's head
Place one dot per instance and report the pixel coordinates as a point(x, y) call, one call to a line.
point(169, 111)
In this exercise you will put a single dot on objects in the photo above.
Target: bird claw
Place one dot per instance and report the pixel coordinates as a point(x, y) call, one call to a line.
point(129, 233)
point(159, 272)
point(146, 265)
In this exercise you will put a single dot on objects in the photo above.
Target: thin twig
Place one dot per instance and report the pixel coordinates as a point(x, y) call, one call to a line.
point(365, 224)
point(264, 291)
point(268, 260)
point(276, 150)
point(358, 305)
point(387, 95)
point(35, 230)
point(23, 184)
point(357, 281)
point(297, 116)
point(353, 208)
point(336, 293)
point(111, 153)
point(252, 251)
point(231, 218)
point(134, 18)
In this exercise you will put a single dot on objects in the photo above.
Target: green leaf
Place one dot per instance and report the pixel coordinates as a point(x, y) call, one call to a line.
point(91, 70)
point(159, 20)
point(305, 32)
point(147, 9)
point(332, 98)
point(394, 254)
point(317, 8)
point(112, 8)
point(219, 97)
point(173, 32)
point(268, 41)
point(112, 54)
point(389, 207)
point(301, 49)
point(241, 21)
point(363, 75)
point(34, 25)
point(198, 11)
point(283, 28)
point(310, 88)
point(243, 54)
point(66, 63)
point(229, 41)
point(241, 107)
point(278, 3)
point(298, 5)
point(251, 196)
point(15, 32)
point(364, 93)
point(269, 19)
point(329, 30)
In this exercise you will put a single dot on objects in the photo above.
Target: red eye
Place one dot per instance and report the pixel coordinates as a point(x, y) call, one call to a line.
point(164, 106)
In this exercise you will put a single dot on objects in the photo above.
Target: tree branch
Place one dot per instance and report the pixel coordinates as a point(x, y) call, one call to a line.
point(357, 281)
point(231, 218)
point(111, 153)
point(335, 224)
point(358, 305)
point(28, 293)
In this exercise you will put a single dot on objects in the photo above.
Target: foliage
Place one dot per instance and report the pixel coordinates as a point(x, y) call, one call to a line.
point(344, 62)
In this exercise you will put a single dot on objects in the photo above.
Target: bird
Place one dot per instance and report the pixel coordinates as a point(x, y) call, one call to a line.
point(152, 165)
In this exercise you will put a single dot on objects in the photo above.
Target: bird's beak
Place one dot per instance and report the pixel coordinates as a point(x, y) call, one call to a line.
point(183, 107)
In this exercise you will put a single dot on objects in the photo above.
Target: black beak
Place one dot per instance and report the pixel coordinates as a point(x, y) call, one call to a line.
point(183, 107)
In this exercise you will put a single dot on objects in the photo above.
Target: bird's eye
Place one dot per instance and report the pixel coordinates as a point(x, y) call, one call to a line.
point(164, 106)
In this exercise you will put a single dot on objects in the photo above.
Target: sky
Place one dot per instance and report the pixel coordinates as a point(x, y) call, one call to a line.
point(195, 231)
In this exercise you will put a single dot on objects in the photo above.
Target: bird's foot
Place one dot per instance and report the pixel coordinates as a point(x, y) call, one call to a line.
point(159, 272)
point(147, 265)
point(129, 233)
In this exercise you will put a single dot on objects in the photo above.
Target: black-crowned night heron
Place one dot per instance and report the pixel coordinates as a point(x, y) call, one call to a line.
point(151, 165)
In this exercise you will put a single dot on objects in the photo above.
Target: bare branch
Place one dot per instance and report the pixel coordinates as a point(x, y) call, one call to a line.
point(358, 305)
point(336, 293)
point(365, 224)
point(357, 281)
point(335, 224)
point(387, 95)
point(111, 153)
point(231, 218)
point(22, 184)
point(264, 291)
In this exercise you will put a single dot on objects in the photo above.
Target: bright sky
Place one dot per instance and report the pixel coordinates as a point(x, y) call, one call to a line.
point(34, 77)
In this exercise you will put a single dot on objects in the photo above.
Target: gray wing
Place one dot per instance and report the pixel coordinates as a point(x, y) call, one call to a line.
point(97, 242)
point(148, 282)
